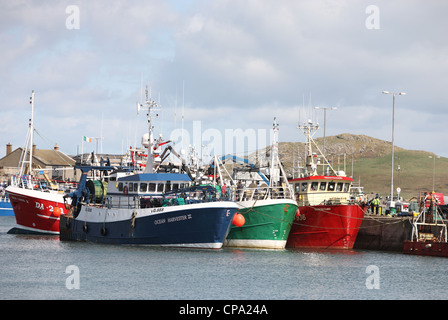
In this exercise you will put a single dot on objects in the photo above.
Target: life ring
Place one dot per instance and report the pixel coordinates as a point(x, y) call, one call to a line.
point(125, 190)
point(286, 208)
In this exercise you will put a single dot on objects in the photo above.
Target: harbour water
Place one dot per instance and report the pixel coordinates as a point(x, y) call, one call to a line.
point(42, 267)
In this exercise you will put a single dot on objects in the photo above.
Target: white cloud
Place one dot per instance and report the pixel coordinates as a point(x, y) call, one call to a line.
point(242, 62)
point(192, 25)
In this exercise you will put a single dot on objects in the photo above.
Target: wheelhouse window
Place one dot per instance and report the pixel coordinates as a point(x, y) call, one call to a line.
point(331, 186)
point(152, 187)
point(133, 187)
point(323, 186)
point(339, 186)
point(314, 186)
point(346, 187)
point(143, 187)
point(160, 187)
point(120, 186)
point(304, 186)
point(297, 187)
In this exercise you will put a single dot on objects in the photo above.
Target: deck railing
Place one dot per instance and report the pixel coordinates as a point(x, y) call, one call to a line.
point(173, 198)
point(191, 196)
point(42, 184)
point(263, 193)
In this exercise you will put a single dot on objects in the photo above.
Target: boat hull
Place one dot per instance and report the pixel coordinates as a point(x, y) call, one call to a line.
point(326, 226)
point(383, 233)
point(35, 211)
point(202, 225)
point(426, 248)
point(267, 224)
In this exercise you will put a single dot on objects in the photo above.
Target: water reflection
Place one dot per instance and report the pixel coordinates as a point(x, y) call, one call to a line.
point(34, 267)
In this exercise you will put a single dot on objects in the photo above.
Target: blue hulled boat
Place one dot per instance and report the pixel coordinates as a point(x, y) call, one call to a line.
point(5, 206)
point(149, 208)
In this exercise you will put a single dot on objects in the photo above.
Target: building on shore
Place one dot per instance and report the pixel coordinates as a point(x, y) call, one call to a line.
point(50, 164)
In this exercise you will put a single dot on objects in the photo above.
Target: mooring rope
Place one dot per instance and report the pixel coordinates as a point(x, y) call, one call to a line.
point(252, 209)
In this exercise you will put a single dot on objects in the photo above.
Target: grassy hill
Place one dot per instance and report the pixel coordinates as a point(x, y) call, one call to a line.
point(415, 174)
point(371, 160)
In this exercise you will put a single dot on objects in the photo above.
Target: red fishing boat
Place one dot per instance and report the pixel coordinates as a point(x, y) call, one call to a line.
point(36, 211)
point(326, 217)
point(37, 203)
point(429, 232)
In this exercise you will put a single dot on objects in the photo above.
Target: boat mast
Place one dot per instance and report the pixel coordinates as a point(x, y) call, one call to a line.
point(28, 148)
point(309, 129)
point(31, 134)
point(274, 153)
point(151, 106)
point(276, 164)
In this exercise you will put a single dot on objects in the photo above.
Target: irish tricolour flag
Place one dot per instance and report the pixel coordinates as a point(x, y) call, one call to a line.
point(84, 138)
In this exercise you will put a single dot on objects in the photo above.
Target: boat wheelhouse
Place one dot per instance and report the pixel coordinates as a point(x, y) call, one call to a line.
point(154, 184)
point(316, 190)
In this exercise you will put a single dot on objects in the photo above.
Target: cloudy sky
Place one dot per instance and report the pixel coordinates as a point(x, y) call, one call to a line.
point(223, 65)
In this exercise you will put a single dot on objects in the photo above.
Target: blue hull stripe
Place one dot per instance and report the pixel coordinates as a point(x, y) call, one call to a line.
point(186, 227)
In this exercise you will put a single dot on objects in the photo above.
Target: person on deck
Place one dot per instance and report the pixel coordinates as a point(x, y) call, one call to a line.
point(432, 201)
point(376, 204)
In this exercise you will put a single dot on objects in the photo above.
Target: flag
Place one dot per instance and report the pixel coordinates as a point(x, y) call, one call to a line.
point(84, 138)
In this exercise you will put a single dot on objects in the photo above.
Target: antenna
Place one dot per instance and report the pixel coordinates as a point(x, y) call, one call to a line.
point(175, 112)
point(151, 106)
point(101, 133)
point(141, 92)
point(141, 86)
point(183, 100)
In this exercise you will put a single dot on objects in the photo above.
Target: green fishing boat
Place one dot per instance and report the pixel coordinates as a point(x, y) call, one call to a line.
point(267, 224)
point(266, 201)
